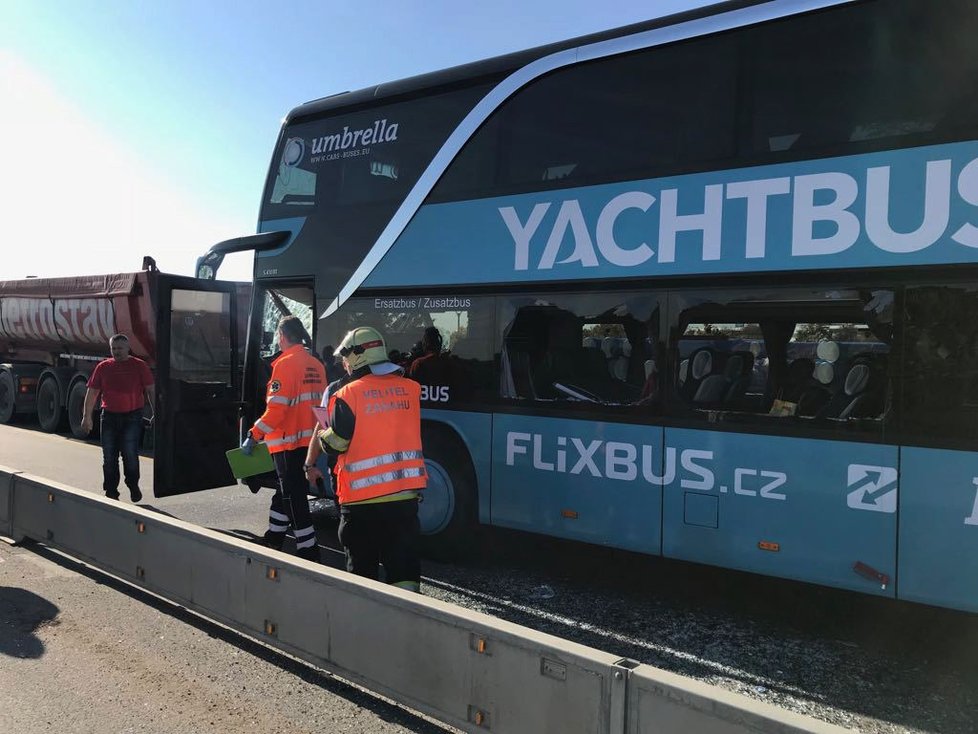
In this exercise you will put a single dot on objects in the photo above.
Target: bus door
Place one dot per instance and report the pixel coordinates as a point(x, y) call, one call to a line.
point(273, 300)
point(197, 384)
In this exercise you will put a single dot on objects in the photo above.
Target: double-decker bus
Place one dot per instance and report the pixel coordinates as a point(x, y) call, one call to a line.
point(705, 287)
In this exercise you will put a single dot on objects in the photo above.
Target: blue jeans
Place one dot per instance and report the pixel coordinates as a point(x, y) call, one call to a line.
point(121, 433)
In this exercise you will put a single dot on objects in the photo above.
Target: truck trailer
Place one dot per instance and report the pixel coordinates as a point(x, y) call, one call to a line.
point(53, 331)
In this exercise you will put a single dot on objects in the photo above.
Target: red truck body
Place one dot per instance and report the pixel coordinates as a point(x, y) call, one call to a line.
point(53, 331)
point(47, 319)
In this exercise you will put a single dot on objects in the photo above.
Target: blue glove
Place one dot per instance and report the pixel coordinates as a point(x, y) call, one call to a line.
point(248, 445)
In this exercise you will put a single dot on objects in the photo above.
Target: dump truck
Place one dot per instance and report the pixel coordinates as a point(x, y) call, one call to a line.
point(53, 331)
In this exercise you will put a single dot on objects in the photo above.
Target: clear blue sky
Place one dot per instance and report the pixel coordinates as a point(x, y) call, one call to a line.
point(132, 127)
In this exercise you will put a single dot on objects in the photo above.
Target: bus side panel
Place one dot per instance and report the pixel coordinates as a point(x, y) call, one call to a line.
point(939, 527)
point(795, 508)
point(580, 480)
point(475, 430)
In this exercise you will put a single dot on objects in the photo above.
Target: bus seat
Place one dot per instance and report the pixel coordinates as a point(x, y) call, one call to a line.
point(797, 379)
point(683, 373)
point(585, 367)
point(618, 364)
point(719, 389)
point(861, 393)
point(812, 400)
point(701, 365)
point(739, 369)
point(519, 362)
point(864, 384)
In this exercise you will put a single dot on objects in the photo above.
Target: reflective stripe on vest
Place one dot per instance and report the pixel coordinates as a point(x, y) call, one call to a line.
point(384, 457)
point(296, 385)
point(291, 438)
point(306, 397)
point(389, 476)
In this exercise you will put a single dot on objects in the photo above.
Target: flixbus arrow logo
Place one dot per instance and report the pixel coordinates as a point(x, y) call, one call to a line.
point(872, 488)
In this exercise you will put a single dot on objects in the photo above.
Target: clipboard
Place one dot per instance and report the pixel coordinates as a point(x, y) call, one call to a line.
point(322, 415)
point(243, 466)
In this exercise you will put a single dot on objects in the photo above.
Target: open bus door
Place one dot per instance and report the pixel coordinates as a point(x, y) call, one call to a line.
point(198, 383)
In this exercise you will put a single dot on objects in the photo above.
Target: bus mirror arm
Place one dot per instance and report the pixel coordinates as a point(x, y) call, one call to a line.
point(210, 261)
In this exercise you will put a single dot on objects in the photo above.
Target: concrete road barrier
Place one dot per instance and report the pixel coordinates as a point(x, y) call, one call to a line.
point(464, 668)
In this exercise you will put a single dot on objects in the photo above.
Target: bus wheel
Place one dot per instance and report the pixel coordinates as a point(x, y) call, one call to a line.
point(448, 511)
point(50, 409)
point(8, 398)
point(76, 404)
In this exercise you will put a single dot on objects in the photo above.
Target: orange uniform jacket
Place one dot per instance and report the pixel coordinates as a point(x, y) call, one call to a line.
point(384, 456)
point(295, 388)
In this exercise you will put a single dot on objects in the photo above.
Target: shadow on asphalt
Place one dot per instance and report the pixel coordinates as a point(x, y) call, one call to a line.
point(22, 612)
point(387, 711)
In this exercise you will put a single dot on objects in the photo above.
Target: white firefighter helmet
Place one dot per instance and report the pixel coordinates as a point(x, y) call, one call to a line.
point(362, 346)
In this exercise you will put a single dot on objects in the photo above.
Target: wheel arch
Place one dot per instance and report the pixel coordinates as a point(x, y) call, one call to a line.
point(449, 512)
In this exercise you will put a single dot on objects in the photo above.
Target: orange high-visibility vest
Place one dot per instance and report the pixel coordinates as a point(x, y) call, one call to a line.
point(384, 456)
point(295, 388)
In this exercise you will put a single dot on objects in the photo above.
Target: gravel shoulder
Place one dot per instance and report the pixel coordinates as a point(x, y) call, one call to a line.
point(870, 664)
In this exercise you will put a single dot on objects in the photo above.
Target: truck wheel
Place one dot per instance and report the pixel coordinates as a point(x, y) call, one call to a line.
point(76, 403)
point(50, 409)
point(8, 398)
point(448, 511)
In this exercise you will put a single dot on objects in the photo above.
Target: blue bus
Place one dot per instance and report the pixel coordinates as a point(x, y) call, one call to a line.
point(704, 287)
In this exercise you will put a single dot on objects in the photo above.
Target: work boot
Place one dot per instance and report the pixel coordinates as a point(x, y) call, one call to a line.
point(111, 495)
point(309, 554)
point(274, 540)
point(135, 495)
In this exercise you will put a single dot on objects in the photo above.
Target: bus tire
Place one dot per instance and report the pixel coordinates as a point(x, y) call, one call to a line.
point(449, 509)
point(8, 398)
point(50, 408)
point(76, 405)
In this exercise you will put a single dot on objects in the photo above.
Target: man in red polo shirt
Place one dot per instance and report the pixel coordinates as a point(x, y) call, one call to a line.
point(126, 384)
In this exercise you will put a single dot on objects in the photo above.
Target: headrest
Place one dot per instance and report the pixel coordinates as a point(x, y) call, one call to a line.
point(702, 364)
point(606, 345)
point(827, 350)
point(857, 379)
point(824, 372)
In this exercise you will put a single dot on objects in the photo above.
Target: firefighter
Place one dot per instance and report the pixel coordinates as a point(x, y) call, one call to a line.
point(287, 426)
point(374, 430)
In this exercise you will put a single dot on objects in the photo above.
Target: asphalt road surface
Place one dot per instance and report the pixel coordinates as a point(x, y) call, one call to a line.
point(82, 653)
point(875, 665)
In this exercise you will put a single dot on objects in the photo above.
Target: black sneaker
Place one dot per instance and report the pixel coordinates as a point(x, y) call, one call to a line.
point(309, 554)
point(274, 540)
point(136, 495)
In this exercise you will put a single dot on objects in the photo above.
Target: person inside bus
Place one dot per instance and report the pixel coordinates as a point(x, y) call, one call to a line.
point(334, 370)
point(433, 366)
